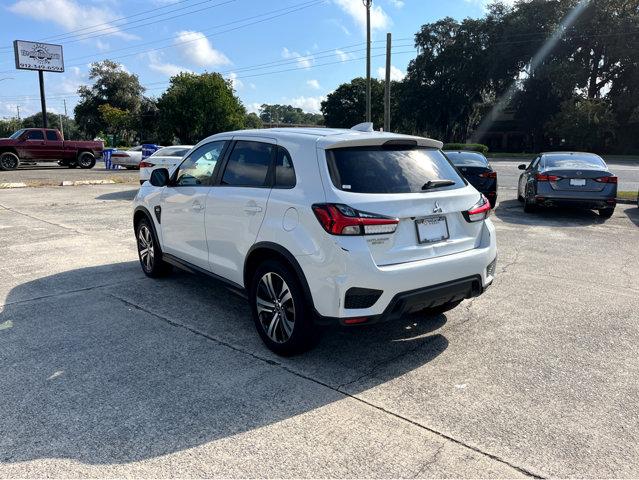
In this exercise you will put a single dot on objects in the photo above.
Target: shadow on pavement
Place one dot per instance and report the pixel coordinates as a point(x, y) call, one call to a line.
point(632, 213)
point(512, 211)
point(123, 195)
point(125, 371)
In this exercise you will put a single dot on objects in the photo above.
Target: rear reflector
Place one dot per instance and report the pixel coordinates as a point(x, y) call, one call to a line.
point(606, 179)
point(488, 175)
point(479, 211)
point(542, 177)
point(355, 320)
point(339, 219)
point(145, 164)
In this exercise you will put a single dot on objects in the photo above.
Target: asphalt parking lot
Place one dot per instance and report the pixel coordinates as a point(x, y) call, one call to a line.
point(104, 372)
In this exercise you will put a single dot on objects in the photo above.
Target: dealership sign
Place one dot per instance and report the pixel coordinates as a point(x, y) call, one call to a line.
point(38, 56)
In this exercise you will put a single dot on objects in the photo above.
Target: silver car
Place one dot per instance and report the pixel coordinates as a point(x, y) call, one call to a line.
point(573, 179)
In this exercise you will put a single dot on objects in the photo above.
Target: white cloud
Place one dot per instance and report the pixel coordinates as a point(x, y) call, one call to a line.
point(197, 49)
point(313, 84)
point(396, 3)
point(69, 81)
point(304, 61)
point(169, 69)
point(395, 73)
point(342, 55)
point(236, 82)
point(253, 108)
point(356, 10)
point(72, 16)
point(102, 46)
point(308, 104)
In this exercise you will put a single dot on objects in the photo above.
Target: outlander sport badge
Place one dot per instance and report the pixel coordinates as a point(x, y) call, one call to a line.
point(437, 208)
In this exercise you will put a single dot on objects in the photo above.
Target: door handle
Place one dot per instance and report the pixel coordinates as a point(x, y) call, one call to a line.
point(197, 206)
point(252, 208)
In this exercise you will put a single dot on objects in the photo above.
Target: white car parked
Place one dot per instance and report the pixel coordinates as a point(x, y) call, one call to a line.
point(130, 159)
point(320, 226)
point(165, 157)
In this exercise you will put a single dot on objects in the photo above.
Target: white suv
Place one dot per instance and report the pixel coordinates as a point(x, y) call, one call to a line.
point(320, 226)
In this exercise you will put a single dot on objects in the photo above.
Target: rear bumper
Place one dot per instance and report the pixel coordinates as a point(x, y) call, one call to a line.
point(591, 203)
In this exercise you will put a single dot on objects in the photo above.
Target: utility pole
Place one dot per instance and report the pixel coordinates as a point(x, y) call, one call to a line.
point(65, 107)
point(387, 85)
point(367, 4)
point(61, 126)
point(18, 107)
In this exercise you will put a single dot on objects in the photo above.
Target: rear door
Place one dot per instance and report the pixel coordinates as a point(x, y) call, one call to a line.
point(395, 182)
point(184, 205)
point(236, 204)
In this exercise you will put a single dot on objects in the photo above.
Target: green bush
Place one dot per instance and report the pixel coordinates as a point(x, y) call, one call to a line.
point(473, 147)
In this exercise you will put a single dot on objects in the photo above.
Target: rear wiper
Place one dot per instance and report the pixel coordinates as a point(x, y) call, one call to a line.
point(430, 184)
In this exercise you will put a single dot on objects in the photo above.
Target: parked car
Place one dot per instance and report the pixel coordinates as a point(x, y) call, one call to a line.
point(165, 157)
point(30, 145)
point(320, 226)
point(476, 169)
point(129, 159)
point(568, 179)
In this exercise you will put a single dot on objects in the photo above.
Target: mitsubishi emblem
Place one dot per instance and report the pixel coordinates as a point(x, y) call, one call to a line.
point(437, 208)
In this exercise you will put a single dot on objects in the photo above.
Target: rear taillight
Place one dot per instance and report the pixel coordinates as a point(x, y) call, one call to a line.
point(488, 175)
point(479, 211)
point(119, 154)
point(145, 164)
point(606, 179)
point(339, 219)
point(542, 177)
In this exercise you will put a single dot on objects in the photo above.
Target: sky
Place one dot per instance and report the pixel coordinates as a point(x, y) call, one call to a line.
point(285, 51)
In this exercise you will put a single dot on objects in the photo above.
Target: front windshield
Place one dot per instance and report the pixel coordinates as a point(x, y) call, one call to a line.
point(17, 134)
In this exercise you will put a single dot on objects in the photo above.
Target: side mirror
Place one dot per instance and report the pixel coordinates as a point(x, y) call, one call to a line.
point(159, 177)
point(522, 166)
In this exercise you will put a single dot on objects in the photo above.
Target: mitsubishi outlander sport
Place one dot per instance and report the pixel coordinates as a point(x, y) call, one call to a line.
point(320, 226)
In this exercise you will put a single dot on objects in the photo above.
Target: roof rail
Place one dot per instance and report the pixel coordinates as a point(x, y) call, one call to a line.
point(363, 127)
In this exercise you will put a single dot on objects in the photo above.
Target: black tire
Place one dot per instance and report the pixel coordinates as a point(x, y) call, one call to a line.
point(86, 160)
point(606, 212)
point(441, 308)
point(273, 320)
point(529, 207)
point(152, 264)
point(520, 198)
point(72, 165)
point(9, 161)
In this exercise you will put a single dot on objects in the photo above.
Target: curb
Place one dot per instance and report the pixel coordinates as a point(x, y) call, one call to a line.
point(69, 183)
point(626, 201)
point(13, 185)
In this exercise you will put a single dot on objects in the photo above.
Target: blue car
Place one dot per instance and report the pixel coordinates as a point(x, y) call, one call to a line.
point(476, 169)
point(573, 179)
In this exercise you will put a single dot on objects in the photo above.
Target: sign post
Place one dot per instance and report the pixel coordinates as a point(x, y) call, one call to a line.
point(43, 57)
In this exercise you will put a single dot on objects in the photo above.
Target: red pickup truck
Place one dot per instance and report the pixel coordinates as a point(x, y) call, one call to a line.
point(47, 145)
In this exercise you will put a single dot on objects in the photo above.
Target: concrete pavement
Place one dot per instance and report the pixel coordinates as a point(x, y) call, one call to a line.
point(107, 373)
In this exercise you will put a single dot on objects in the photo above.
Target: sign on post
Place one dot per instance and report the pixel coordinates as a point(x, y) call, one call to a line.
point(43, 57)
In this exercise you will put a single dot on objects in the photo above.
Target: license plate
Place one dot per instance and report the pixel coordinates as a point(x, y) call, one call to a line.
point(578, 182)
point(432, 229)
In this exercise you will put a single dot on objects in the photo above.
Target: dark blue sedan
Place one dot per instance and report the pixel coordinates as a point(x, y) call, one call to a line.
point(476, 169)
point(568, 179)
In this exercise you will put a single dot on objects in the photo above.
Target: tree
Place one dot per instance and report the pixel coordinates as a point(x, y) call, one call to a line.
point(346, 106)
point(586, 123)
point(117, 121)
point(112, 85)
point(253, 121)
point(288, 114)
point(196, 106)
point(69, 126)
point(9, 126)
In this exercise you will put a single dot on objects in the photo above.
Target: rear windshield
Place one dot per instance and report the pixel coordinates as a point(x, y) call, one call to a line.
point(574, 161)
point(467, 159)
point(389, 170)
point(171, 152)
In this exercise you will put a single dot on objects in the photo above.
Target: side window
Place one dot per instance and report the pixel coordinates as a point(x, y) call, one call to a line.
point(35, 135)
point(284, 170)
point(197, 169)
point(248, 164)
point(52, 136)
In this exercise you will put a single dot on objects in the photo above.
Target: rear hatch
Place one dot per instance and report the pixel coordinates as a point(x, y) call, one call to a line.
point(394, 182)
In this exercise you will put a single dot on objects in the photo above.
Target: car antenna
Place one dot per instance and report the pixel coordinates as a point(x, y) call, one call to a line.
point(363, 127)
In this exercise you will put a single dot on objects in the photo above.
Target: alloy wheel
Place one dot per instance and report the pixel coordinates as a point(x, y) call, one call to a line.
point(8, 162)
point(145, 248)
point(275, 307)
